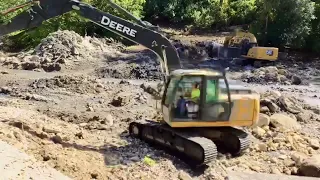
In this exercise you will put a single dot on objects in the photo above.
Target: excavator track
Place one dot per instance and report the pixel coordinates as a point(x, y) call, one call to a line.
point(194, 149)
point(233, 140)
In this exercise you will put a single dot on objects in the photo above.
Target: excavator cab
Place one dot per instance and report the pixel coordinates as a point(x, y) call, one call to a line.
point(194, 97)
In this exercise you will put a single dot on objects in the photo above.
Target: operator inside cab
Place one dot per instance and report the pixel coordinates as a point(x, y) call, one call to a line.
point(195, 93)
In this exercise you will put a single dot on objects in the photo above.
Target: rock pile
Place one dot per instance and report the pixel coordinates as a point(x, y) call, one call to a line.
point(278, 133)
point(132, 66)
point(63, 48)
point(79, 84)
point(192, 52)
point(271, 74)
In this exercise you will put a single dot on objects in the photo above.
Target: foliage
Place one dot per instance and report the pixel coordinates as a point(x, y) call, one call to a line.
point(201, 13)
point(285, 29)
point(313, 41)
point(298, 27)
point(70, 21)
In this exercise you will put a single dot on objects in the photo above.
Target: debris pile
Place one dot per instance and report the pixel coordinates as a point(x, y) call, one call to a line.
point(63, 49)
point(132, 66)
point(79, 84)
point(192, 52)
point(271, 74)
point(278, 132)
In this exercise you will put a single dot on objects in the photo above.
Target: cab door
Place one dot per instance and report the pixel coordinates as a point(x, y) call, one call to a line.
point(168, 98)
point(216, 104)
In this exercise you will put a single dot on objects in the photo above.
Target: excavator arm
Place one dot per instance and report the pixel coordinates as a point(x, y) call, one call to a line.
point(141, 33)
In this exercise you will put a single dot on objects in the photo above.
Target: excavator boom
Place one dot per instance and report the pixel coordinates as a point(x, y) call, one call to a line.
point(140, 33)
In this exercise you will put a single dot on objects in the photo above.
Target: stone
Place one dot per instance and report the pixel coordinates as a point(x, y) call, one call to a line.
point(275, 170)
point(5, 90)
point(264, 120)
point(255, 168)
point(314, 143)
point(94, 175)
point(283, 157)
point(290, 104)
point(271, 105)
point(17, 135)
point(298, 157)
point(282, 72)
point(283, 78)
point(294, 170)
point(57, 139)
point(310, 167)
point(102, 127)
point(264, 109)
point(287, 171)
point(304, 116)
point(83, 124)
point(79, 135)
point(258, 131)
point(90, 109)
point(296, 80)
point(279, 139)
point(288, 162)
point(184, 176)
point(50, 130)
point(265, 127)
point(283, 121)
point(135, 158)
point(262, 147)
point(274, 160)
point(109, 119)
point(276, 94)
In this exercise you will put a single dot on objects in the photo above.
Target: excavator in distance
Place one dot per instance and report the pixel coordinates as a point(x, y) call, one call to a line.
point(200, 109)
point(243, 45)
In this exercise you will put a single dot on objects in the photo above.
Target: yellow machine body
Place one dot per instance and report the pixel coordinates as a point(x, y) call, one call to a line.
point(237, 38)
point(248, 41)
point(262, 53)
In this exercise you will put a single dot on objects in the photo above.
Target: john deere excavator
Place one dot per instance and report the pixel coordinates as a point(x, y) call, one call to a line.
point(200, 110)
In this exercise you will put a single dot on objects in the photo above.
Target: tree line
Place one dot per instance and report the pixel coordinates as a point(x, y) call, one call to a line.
point(292, 23)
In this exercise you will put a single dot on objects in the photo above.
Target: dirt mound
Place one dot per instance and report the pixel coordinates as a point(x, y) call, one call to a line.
point(63, 49)
point(272, 74)
point(192, 51)
point(132, 66)
point(79, 84)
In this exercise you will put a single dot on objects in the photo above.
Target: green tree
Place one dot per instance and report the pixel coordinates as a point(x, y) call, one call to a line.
point(68, 21)
point(287, 22)
point(313, 41)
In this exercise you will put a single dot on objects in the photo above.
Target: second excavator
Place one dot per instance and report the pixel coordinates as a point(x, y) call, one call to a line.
point(200, 109)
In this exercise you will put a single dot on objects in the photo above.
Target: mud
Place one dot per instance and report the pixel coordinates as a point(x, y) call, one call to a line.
point(75, 120)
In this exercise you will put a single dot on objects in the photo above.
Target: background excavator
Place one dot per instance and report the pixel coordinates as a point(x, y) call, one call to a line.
point(243, 45)
point(200, 110)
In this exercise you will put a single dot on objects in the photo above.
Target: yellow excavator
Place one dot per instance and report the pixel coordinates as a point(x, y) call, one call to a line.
point(247, 44)
point(200, 109)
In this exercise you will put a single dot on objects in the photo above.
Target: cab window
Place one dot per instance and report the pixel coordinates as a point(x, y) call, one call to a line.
point(212, 90)
point(171, 91)
point(190, 87)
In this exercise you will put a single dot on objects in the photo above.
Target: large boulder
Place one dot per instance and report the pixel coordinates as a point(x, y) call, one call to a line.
point(271, 105)
point(279, 120)
point(290, 104)
point(310, 167)
point(264, 120)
